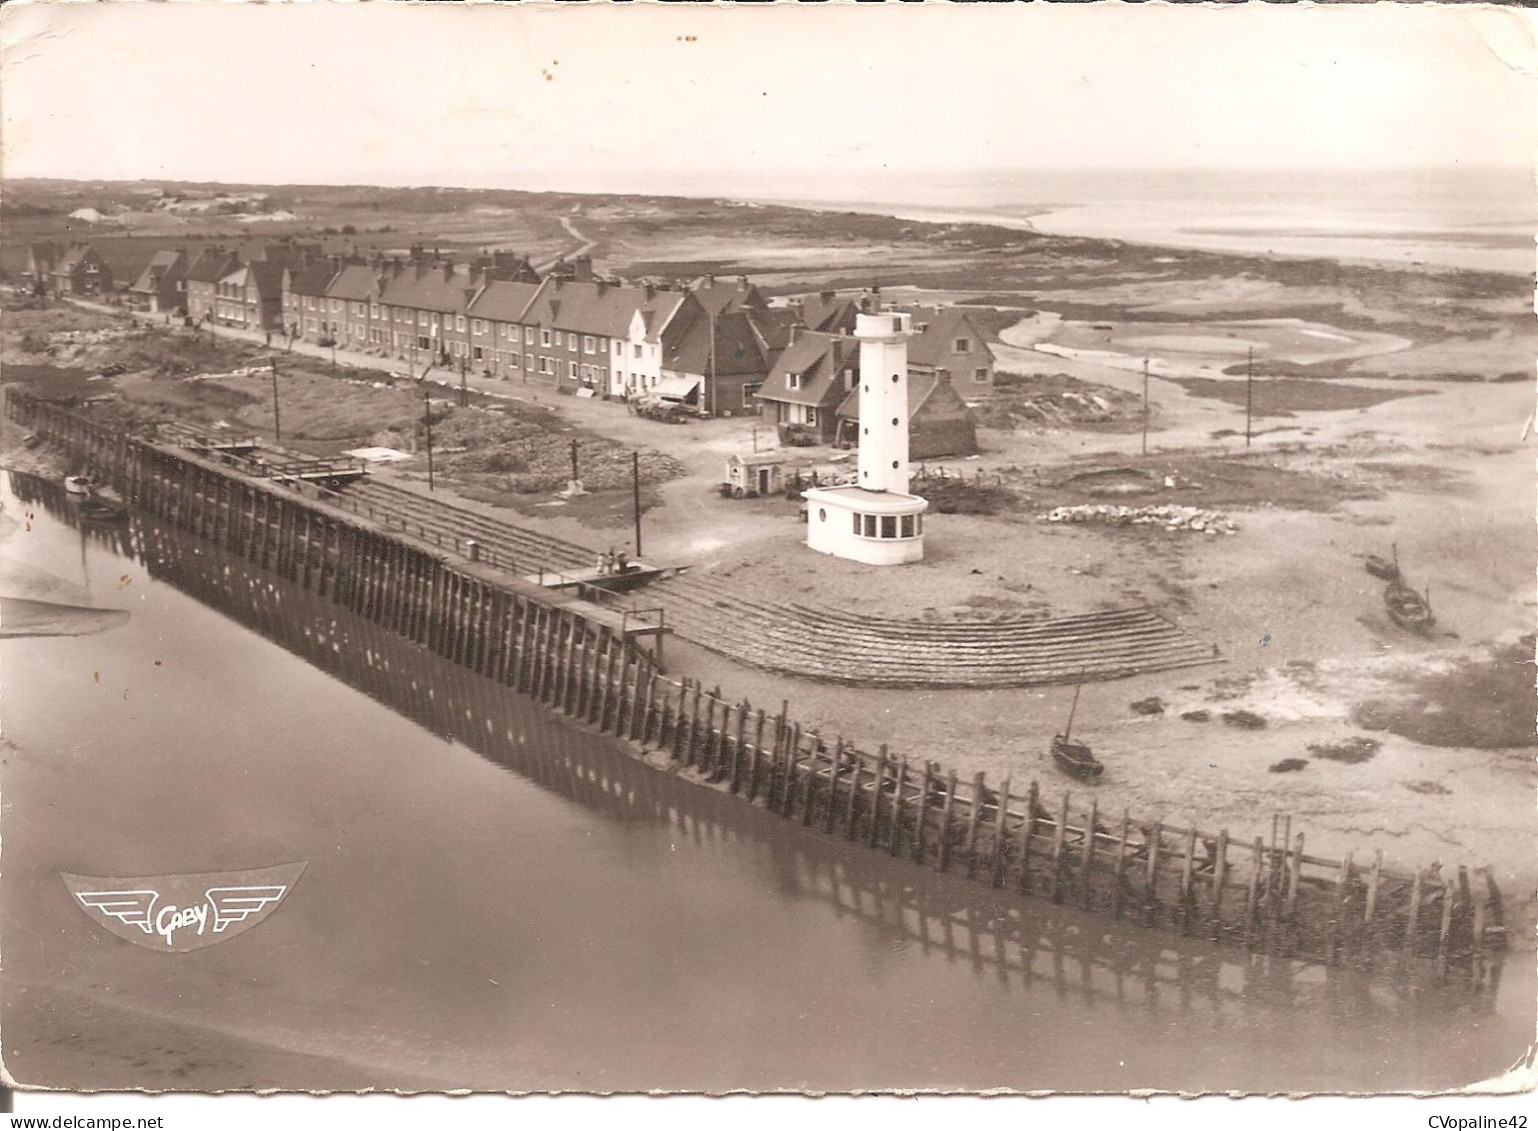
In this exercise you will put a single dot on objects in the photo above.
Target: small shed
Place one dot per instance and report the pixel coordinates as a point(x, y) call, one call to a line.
point(755, 473)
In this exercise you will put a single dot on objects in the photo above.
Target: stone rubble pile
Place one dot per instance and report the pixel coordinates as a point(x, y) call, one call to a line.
point(1170, 516)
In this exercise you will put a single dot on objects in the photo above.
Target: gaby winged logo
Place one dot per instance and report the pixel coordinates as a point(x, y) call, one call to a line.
point(183, 912)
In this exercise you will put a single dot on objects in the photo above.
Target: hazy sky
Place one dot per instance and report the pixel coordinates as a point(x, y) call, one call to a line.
point(474, 94)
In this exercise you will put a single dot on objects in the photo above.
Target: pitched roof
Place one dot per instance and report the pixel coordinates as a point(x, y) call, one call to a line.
point(268, 277)
point(211, 265)
point(310, 277)
point(943, 325)
point(162, 265)
point(719, 296)
point(738, 347)
point(820, 360)
point(503, 301)
point(595, 308)
point(356, 282)
point(72, 258)
point(428, 288)
point(827, 312)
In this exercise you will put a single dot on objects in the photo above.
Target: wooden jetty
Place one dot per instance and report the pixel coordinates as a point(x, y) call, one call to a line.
point(589, 662)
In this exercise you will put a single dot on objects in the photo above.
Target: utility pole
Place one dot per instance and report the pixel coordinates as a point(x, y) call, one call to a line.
point(1145, 406)
point(333, 354)
point(1249, 396)
point(574, 475)
point(712, 391)
point(277, 427)
point(464, 389)
point(427, 419)
point(635, 496)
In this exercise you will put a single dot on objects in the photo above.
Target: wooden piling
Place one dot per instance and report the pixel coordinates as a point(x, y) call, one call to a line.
point(974, 814)
point(945, 820)
point(1445, 931)
point(1371, 906)
point(830, 817)
point(873, 834)
point(852, 802)
point(1187, 896)
point(1412, 923)
point(737, 750)
point(694, 725)
point(1000, 832)
point(1338, 910)
point(1087, 858)
point(1251, 896)
point(758, 748)
point(1059, 838)
point(923, 813)
point(1119, 865)
point(897, 804)
point(1151, 876)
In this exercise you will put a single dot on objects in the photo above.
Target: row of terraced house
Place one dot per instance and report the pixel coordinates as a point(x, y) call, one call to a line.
point(717, 346)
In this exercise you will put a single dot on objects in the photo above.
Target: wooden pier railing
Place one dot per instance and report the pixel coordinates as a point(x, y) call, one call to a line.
point(1262, 893)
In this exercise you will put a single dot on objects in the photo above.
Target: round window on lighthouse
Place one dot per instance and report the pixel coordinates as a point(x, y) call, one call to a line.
point(822, 514)
point(894, 465)
point(894, 422)
point(895, 378)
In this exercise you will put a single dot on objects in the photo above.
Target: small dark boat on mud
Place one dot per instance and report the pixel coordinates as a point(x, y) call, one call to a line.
point(1382, 567)
point(79, 484)
point(1407, 608)
point(1074, 757)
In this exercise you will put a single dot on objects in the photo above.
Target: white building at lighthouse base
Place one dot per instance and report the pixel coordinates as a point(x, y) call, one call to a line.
point(875, 527)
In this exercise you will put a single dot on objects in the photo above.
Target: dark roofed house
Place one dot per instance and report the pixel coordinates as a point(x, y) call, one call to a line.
point(426, 309)
point(496, 326)
point(722, 296)
point(80, 271)
point(304, 297)
point(717, 362)
point(808, 382)
point(160, 287)
point(250, 297)
point(939, 421)
point(353, 314)
point(202, 281)
point(945, 338)
point(576, 332)
point(827, 313)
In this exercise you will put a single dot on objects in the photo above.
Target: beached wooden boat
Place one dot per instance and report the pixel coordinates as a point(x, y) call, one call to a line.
point(1074, 757)
point(1382, 567)
point(1407, 608)
point(79, 484)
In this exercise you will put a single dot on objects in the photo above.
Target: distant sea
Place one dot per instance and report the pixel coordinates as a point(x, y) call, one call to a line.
point(1478, 218)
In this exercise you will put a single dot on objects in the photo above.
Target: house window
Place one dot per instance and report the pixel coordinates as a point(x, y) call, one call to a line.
point(588, 345)
point(547, 366)
point(421, 318)
point(571, 370)
point(544, 337)
point(811, 415)
point(963, 345)
point(870, 525)
point(309, 302)
point(424, 343)
point(889, 526)
point(848, 379)
point(478, 354)
point(619, 348)
point(477, 326)
point(360, 309)
point(571, 341)
point(793, 380)
point(907, 526)
point(459, 322)
point(557, 337)
point(528, 336)
point(638, 350)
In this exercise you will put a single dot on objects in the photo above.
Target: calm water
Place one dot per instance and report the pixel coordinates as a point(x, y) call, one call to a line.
point(495, 899)
point(1478, 218)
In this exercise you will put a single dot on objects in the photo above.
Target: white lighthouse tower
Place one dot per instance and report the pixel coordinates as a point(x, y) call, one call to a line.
point(875, 520)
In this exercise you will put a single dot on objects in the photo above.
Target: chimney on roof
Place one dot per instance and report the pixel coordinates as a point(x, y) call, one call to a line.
point(448, 271)
point(827, 296)
point(651, 292)
point(583, 272)
point(710, 280)
point(602, 285)
point(743, 281)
